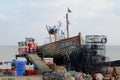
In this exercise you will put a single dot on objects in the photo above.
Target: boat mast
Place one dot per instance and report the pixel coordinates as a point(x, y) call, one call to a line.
point(67, 22)
point(67, 25)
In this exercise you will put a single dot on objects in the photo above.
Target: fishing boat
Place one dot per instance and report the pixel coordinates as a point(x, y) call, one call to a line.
point(74, 52)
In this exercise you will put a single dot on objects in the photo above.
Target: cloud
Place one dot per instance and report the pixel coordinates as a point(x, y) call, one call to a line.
point(89, 8)
point(102, 5)
point(111, 17)
point(91, 4)
point(97, 9)
point(35, 14)
point(53, 3)
point(89, 15)
point(3, 17)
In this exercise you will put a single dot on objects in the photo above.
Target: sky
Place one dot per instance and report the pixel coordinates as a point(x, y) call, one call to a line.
point(28, 18)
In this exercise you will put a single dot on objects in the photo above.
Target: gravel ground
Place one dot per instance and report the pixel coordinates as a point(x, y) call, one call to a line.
point(21, 78)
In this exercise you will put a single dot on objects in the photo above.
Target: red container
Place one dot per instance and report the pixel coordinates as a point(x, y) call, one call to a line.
point(31, 72)
point(32, 45)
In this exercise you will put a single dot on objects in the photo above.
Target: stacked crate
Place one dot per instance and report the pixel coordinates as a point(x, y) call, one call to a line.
point(27, 46)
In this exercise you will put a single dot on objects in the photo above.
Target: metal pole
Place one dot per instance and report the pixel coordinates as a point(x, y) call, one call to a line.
point(49, 33)
point(67, 23)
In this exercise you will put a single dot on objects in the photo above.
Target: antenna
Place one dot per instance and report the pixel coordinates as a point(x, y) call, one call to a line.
point(49, 33)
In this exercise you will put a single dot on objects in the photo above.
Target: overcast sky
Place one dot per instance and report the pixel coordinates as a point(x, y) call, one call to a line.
point(28, 18)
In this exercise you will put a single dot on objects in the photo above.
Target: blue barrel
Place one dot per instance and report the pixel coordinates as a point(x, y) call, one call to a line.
point(20, 68)
point(20, 73)
point(20, 65)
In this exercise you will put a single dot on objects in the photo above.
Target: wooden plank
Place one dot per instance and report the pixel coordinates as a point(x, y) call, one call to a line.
point(41, 66)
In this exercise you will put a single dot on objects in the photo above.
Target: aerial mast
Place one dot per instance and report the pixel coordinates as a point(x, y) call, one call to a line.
point(67, 22)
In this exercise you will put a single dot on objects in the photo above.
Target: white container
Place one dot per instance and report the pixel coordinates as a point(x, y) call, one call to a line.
point(29, 67)
point(6, 66)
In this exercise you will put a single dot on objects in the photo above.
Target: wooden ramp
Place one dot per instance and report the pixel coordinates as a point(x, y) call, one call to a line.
point(41, 66)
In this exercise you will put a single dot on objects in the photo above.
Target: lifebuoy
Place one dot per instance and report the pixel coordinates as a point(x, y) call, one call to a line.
point(103, 40)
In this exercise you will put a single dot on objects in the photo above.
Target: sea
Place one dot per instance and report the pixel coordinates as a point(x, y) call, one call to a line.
point(8, 52)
